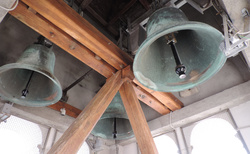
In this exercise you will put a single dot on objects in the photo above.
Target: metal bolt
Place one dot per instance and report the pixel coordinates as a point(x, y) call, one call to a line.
point(52, 34)
point(63, 111)
point(97, 57)
point(142, 96)
point(121, 65)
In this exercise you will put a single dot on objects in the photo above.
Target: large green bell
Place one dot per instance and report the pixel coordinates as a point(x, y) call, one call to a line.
point(30, 81)
point(197, 45)
point(114, 123)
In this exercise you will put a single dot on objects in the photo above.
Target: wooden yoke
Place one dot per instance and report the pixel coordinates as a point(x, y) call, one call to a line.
point(137, 119)
point(76, 134)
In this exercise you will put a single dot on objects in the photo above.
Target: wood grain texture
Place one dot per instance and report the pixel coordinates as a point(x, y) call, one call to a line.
point(64, 17)
point(143, 95)
point(168, 99)
point(62, 39)
point(70, 110)
point(137, 119)
point(150, 100)
point(76, 134)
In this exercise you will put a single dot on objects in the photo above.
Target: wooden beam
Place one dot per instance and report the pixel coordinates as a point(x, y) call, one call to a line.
point(76, 134)
point(67, 19)
point(62, 39)
point(137, 119)
point(125, 8)
point(70, 110)
point(167, 99)
point(145, 4)
point(143, 95)
point(85, 4)
point(150, 100)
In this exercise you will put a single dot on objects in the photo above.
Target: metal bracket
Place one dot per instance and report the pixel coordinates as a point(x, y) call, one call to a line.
point(5, 112)
point(244, 12)
point(232, 45)
point(178, 4)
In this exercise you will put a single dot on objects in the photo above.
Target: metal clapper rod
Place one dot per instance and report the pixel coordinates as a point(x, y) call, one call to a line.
point(26, 91)
point(115, 131)
point(180, 69)
point(65, 97)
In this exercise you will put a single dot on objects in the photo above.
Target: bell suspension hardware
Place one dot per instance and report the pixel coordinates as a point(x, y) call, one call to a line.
point(180, 69)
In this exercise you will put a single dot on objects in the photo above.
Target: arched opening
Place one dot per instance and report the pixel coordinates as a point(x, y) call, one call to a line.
point(165, 144)
point(84, 149)
point(20, 136)
point(215, 136)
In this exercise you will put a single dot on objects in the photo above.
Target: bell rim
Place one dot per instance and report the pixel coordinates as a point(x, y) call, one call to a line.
point(185, 25)
point(120, 136)
point(35, 69)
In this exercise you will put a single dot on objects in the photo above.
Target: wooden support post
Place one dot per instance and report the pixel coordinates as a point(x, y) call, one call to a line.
point(168, 99)
point(76, 134)
point(150, 100)
point(67, 19)
point(137, 119)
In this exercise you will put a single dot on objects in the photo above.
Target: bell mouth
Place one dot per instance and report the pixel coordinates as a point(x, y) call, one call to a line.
point(44, 88)
point(104, 129)
point(198, 46)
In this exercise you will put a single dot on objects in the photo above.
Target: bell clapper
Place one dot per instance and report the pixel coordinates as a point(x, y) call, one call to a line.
point(26, 91)
point(180, 69)
point(115, 131)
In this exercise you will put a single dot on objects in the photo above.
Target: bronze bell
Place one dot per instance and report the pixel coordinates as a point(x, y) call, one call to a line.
point(178, 54)
point(114, 123)
point(30, 81)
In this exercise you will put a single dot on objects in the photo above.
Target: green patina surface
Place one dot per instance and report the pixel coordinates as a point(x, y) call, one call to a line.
point(197, 45)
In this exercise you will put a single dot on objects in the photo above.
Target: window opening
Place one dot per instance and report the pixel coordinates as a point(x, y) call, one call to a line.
point(20, 136)
point(215, 136)
point(165, 144)
point(84, 149)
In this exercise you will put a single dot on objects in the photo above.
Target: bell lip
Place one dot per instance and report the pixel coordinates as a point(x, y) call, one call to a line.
point(185, 25)
point(123, 136)
point(35, 69)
